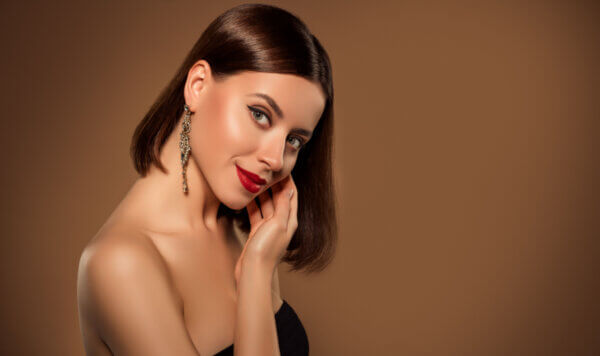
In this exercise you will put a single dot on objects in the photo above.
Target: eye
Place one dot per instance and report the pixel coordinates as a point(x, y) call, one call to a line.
point(257, 114)
point(300, 142)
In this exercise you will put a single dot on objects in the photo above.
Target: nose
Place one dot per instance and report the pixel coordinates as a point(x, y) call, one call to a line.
point(272, 153)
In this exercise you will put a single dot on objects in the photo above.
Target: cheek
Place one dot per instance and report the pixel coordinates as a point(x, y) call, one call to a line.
point(291, 163)
point(223, 132)
point(233, 131)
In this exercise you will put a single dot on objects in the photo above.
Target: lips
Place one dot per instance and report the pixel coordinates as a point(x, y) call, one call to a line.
point(249, 180)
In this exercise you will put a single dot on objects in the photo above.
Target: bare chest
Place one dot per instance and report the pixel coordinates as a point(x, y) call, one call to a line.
point(202, 271)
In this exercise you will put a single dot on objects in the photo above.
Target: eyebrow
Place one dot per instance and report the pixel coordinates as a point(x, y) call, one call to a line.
point(279, 112)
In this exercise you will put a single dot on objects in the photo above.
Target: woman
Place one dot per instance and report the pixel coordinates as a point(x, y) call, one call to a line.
point(187, 262)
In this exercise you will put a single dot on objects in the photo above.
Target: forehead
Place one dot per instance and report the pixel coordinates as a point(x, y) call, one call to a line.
point(301, 100)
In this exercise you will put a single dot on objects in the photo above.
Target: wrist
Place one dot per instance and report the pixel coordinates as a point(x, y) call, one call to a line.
point(257, 265)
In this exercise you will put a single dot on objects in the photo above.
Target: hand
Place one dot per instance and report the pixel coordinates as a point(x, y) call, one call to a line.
point(270, 234)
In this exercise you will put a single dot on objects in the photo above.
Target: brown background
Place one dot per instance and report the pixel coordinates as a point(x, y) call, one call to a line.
point(466, 165)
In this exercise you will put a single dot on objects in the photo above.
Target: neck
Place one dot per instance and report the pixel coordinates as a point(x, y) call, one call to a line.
point(160, 195)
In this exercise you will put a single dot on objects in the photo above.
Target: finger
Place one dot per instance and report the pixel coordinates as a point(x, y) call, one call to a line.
point(253, 213)
point(287, 183)
point(266, 204)
point(282, 208)
point(293, 218)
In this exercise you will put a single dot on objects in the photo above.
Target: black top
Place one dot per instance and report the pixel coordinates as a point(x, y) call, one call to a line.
point(290, 334)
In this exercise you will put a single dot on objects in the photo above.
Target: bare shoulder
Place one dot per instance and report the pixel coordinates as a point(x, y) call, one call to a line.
point(112, 258)
point(126, 297)
point(119, 249)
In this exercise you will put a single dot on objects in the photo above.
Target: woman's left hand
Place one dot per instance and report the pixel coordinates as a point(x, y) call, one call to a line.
point(270, 234)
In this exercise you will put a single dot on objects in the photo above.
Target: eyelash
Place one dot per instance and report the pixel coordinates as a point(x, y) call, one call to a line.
point(254, 110)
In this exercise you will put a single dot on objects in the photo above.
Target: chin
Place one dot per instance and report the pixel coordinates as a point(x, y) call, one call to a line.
point(235, 203)
point(237, 207)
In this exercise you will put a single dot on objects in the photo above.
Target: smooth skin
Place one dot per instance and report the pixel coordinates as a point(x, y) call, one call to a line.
point(163, 275)
point(255, 332)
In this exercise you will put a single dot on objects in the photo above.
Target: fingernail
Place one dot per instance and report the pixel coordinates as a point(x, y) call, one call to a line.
point(291, 193)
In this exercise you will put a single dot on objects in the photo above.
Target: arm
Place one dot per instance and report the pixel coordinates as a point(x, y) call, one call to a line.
point(277, 301)
point(124, 290)
point(271, 230)
point(255, 329)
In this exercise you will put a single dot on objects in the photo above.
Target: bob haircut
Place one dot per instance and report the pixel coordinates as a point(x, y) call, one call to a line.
point(262, 38)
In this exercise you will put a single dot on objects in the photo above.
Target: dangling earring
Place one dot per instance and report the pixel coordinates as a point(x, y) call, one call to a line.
point(184, 145)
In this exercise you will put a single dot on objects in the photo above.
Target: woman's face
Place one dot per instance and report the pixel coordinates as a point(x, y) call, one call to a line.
point(253, 120)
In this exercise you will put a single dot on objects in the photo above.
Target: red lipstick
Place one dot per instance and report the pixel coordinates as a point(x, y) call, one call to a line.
point(249, 180)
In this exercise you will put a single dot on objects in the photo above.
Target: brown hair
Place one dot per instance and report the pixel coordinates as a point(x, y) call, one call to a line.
point(263, 38)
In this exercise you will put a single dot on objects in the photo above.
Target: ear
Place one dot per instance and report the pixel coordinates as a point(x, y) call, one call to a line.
point(198, 77)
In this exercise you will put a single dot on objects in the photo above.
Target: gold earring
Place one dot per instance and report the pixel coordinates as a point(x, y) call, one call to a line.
point(184, 145)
